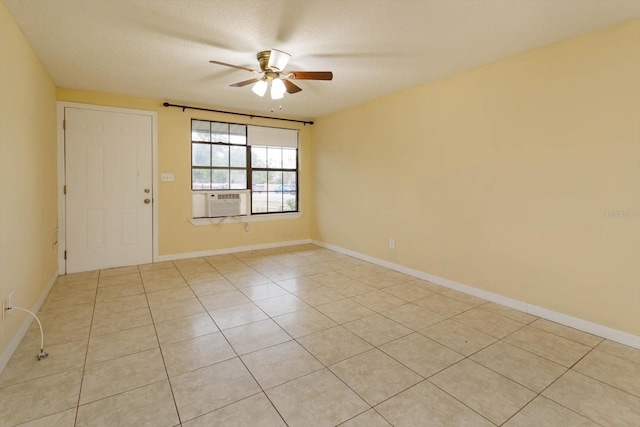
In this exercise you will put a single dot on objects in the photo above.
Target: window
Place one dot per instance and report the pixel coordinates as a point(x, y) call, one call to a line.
point(227, 156)
point(218, 156)
point(274, 179)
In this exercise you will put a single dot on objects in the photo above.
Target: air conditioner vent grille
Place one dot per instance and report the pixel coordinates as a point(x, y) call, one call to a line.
point(228, 196)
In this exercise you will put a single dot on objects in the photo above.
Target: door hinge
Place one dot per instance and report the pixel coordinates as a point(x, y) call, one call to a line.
point(65, 254)
point(64, 189)
point(64, 124)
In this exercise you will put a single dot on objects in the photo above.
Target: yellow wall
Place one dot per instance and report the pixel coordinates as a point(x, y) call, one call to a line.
point(498, 177)
point(177, 234)
point(28, 200)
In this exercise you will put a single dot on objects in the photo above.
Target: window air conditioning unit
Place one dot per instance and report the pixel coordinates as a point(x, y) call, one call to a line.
point(226, 203)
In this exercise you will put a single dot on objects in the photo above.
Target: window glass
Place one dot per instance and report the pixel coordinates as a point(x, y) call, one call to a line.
point(289, 184)
point(259, 181)
point(220, 155)
point(238, 157)
point(258, 202)
point(290, 203)
point(275, 181)
point(238, 134)
point(274, 158)
point(200, 131)
point(201, 179)
point(289, 158)
point(259, 157)
point(238, 179)
point(201, 154)
point(220, 132)
point(220, 179)
point(274, 203)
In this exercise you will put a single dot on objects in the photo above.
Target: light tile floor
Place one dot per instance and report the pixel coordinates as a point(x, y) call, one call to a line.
point(303, 336)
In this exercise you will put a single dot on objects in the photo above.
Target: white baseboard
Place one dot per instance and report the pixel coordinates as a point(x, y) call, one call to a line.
point(564, 319)
point(232, 250)
point(586, 326)
point(17, 338)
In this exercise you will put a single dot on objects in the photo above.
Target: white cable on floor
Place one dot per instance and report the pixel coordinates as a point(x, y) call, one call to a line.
point(42, 353)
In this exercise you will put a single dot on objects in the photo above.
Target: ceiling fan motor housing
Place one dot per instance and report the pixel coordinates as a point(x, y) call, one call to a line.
point(263, 59)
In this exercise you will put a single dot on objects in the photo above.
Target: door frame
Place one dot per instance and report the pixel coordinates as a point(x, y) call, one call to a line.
point(62, 226)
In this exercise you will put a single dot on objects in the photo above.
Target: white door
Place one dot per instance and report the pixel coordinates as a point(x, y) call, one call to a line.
point(108, 166)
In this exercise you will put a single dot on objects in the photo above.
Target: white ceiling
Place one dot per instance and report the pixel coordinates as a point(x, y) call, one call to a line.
point(161, 48)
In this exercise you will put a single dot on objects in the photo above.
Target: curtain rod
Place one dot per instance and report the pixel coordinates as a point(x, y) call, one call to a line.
point(184, 107)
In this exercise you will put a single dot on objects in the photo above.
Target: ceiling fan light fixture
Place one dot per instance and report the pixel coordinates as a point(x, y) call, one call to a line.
point(277, 89)
point(260, 88)
point(272, 63)
point(278, 59)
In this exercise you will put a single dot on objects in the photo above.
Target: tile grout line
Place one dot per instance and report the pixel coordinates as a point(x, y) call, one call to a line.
point(459, 401)
point(164, 363)
point(560, 404)
point(571, 369)
point(84, 366)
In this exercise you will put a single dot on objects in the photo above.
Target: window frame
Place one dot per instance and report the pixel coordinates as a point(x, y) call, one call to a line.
point(248, 168)
point(282, 192)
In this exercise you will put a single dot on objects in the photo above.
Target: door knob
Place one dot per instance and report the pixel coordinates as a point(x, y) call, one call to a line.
point(147, 201)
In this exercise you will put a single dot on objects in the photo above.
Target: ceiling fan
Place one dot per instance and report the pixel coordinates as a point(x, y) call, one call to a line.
point(272, 63)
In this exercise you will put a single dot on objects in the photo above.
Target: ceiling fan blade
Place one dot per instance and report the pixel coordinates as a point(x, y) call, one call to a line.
point(278, 59)
point(291, 88)
point(239, 67)
point(245, 82)
point(310, 75)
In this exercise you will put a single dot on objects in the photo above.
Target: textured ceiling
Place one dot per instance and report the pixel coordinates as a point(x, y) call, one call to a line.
point(161, 48)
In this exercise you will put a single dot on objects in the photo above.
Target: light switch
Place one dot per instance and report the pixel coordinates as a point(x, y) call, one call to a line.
point(167, 177)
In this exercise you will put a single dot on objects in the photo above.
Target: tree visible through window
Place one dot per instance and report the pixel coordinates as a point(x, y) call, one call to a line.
point(223, 158)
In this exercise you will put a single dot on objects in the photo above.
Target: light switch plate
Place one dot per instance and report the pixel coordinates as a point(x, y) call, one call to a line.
point(167, 177)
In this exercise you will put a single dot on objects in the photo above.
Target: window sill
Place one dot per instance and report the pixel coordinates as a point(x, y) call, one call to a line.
point(244, 219)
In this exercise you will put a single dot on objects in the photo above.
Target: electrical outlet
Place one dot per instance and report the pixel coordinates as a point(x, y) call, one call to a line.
point(392, 244)
point(4, 309)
